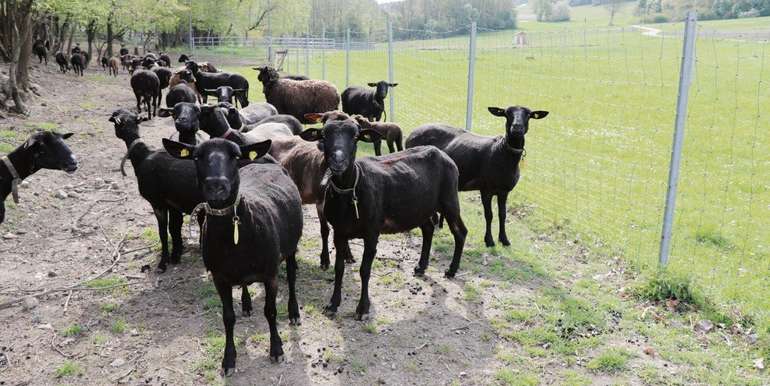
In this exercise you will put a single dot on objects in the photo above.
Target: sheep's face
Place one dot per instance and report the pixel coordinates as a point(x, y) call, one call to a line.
point(186, 76)
point(224, 94)
point(126, 123)
point(216, 164)
point(338, 141)
point(217, 119)
point(516, 120)
point(382, 88)
point(267, 74)
point(192, 66)
point(186, 117)
point(50, 152)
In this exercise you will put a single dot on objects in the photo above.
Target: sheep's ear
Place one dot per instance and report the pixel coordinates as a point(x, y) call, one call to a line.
point(312, 135)
point(369, 135)
point(371, 84)
point(114, 119)
point(392, 84)
point(165, 112)
point(496, 111)
point(255, 150)
point(66, 135)
point(314, 117)
point(178, 149)
point(539, 114)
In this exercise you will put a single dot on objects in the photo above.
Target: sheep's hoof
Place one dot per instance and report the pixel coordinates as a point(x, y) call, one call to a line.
point(330, 310)
point(350, 260)
point(361, 317)
point(324, 265)
point(489, 242)
point(228, 372)
point(419, 272)
point(161, 269)
point(449, 274)
point(294, 321)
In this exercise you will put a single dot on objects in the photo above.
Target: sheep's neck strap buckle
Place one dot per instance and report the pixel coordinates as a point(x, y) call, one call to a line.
point(15, 179)
point(125, 157)
point(338, 190)
point(209, 211)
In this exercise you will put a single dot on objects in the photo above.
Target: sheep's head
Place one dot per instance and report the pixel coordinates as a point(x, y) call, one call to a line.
point(216, 163)
point(126, 123)
point(192, 66)
point(362, 121)
point(382, 88)
point(338, 140)
point(267, 74)
point(187, 76)
point(50, 152)
point(516, 122)
point(185, 115)
point(334, 115)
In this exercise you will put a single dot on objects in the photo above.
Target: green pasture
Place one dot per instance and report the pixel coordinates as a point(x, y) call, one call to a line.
point(599, 161)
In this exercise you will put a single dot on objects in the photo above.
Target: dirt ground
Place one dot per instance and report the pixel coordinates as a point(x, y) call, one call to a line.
point(166, 329)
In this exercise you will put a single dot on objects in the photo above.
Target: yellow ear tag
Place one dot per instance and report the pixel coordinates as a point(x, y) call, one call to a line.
point(252, 155)
point(184, 153)
point(523, 164)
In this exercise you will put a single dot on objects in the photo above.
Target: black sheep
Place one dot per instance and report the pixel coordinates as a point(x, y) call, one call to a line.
point(77, 63)
point(61, 60)
point(253, 222)
point(40, 51)
point(146, 88)
point(183, 58)
point(164, 75)
point(168, 184)
point(388, 194)
point(224, 93)
point(105, 62)
point(42, 150)
point(180, 93)
point(487, 164)
point(292, 123)
point(210, 81)
point(165, 59)
point(369, 103)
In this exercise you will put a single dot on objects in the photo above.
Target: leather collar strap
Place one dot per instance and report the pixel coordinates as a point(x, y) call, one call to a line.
point(209, 211)
point(338, 190)
point(125, 157)
point(229, 133)
point(16, 180)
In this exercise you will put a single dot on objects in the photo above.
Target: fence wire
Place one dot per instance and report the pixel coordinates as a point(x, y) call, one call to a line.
point(600, 160)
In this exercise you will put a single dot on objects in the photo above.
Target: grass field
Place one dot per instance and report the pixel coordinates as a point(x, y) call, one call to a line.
point(598, 163)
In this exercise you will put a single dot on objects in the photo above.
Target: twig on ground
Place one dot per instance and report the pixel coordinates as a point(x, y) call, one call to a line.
point(53, 345)
point(67, 302)
point(77, 286)
point(131, 370)
point(421, 346)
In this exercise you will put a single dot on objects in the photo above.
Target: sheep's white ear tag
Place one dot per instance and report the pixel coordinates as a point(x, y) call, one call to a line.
point(184, 153)
point(236, 223)
point(252, 155)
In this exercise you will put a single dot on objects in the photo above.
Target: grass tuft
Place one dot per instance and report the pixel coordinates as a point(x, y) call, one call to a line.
point(72, 330)
point(611, 361)
point(68, 369)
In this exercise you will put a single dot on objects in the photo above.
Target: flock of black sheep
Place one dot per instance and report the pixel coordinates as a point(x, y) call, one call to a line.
point(244, 174)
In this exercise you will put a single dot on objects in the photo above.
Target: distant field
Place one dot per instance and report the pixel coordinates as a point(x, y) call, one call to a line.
point(599, 162)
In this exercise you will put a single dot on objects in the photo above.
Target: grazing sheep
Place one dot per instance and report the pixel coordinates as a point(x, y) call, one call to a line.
point(146, 86)
point(168, 184)
point(113, 64)
point(77, 63)
point(367, 102)
point(41, 150)
point(390, 132)
point(210, 81)
point(165, 59)
point(253, 221)
point(40, 51)
point(61, 60)
point(183, 58)
point(297, 98)
point(487, 164)
point(292, 123)
point(388, 194)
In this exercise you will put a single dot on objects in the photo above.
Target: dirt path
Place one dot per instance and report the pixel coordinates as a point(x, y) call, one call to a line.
point(540, 316)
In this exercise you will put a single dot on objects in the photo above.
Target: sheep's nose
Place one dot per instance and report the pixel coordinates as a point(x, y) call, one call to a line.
point(217, 186)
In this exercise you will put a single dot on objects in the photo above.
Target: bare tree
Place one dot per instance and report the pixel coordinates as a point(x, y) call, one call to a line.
point(15, 35)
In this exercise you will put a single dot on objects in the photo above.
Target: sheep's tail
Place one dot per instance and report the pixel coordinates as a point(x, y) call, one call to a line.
point(400, 141)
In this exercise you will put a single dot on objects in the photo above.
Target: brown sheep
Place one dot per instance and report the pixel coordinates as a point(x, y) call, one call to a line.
point(113, 65)
point(183, 74)
point(297, 97)
point(390, 132)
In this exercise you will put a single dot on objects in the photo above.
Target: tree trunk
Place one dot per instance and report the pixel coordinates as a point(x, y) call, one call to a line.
point(109, 35)
point(21, 31)
point(91, 35)
point(22, 71)
point(69, 41)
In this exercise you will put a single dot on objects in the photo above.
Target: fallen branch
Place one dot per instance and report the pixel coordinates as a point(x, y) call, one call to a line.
point(67, 302)
point(75, 287)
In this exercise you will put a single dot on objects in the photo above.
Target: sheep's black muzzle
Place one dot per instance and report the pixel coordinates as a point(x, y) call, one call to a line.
point(216, 189)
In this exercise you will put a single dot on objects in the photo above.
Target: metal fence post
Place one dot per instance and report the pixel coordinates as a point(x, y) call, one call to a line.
point(323, 53)
point(471, 78)
point(347, 58)
point(685, 77)
point(307, 54)
point(391, 78)
point(189, 21)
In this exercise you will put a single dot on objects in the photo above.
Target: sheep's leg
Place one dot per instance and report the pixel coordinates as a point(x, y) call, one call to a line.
point(246, 301)
point(501, 199)
point(162, 216)
point(148, 104)
point(486, 200)
point(459, 231)
point(324, 237)
point(427, 239)
point(276, 346)
point(370, 250)
point(400, 143)
point(391, 147)
point(377, 147)
point(291, 276)
point(138, 103)
point(175, 227)
point(339, 272)
point(225, 291)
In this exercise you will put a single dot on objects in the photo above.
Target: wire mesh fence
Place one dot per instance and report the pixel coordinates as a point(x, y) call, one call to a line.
point(600, 160)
